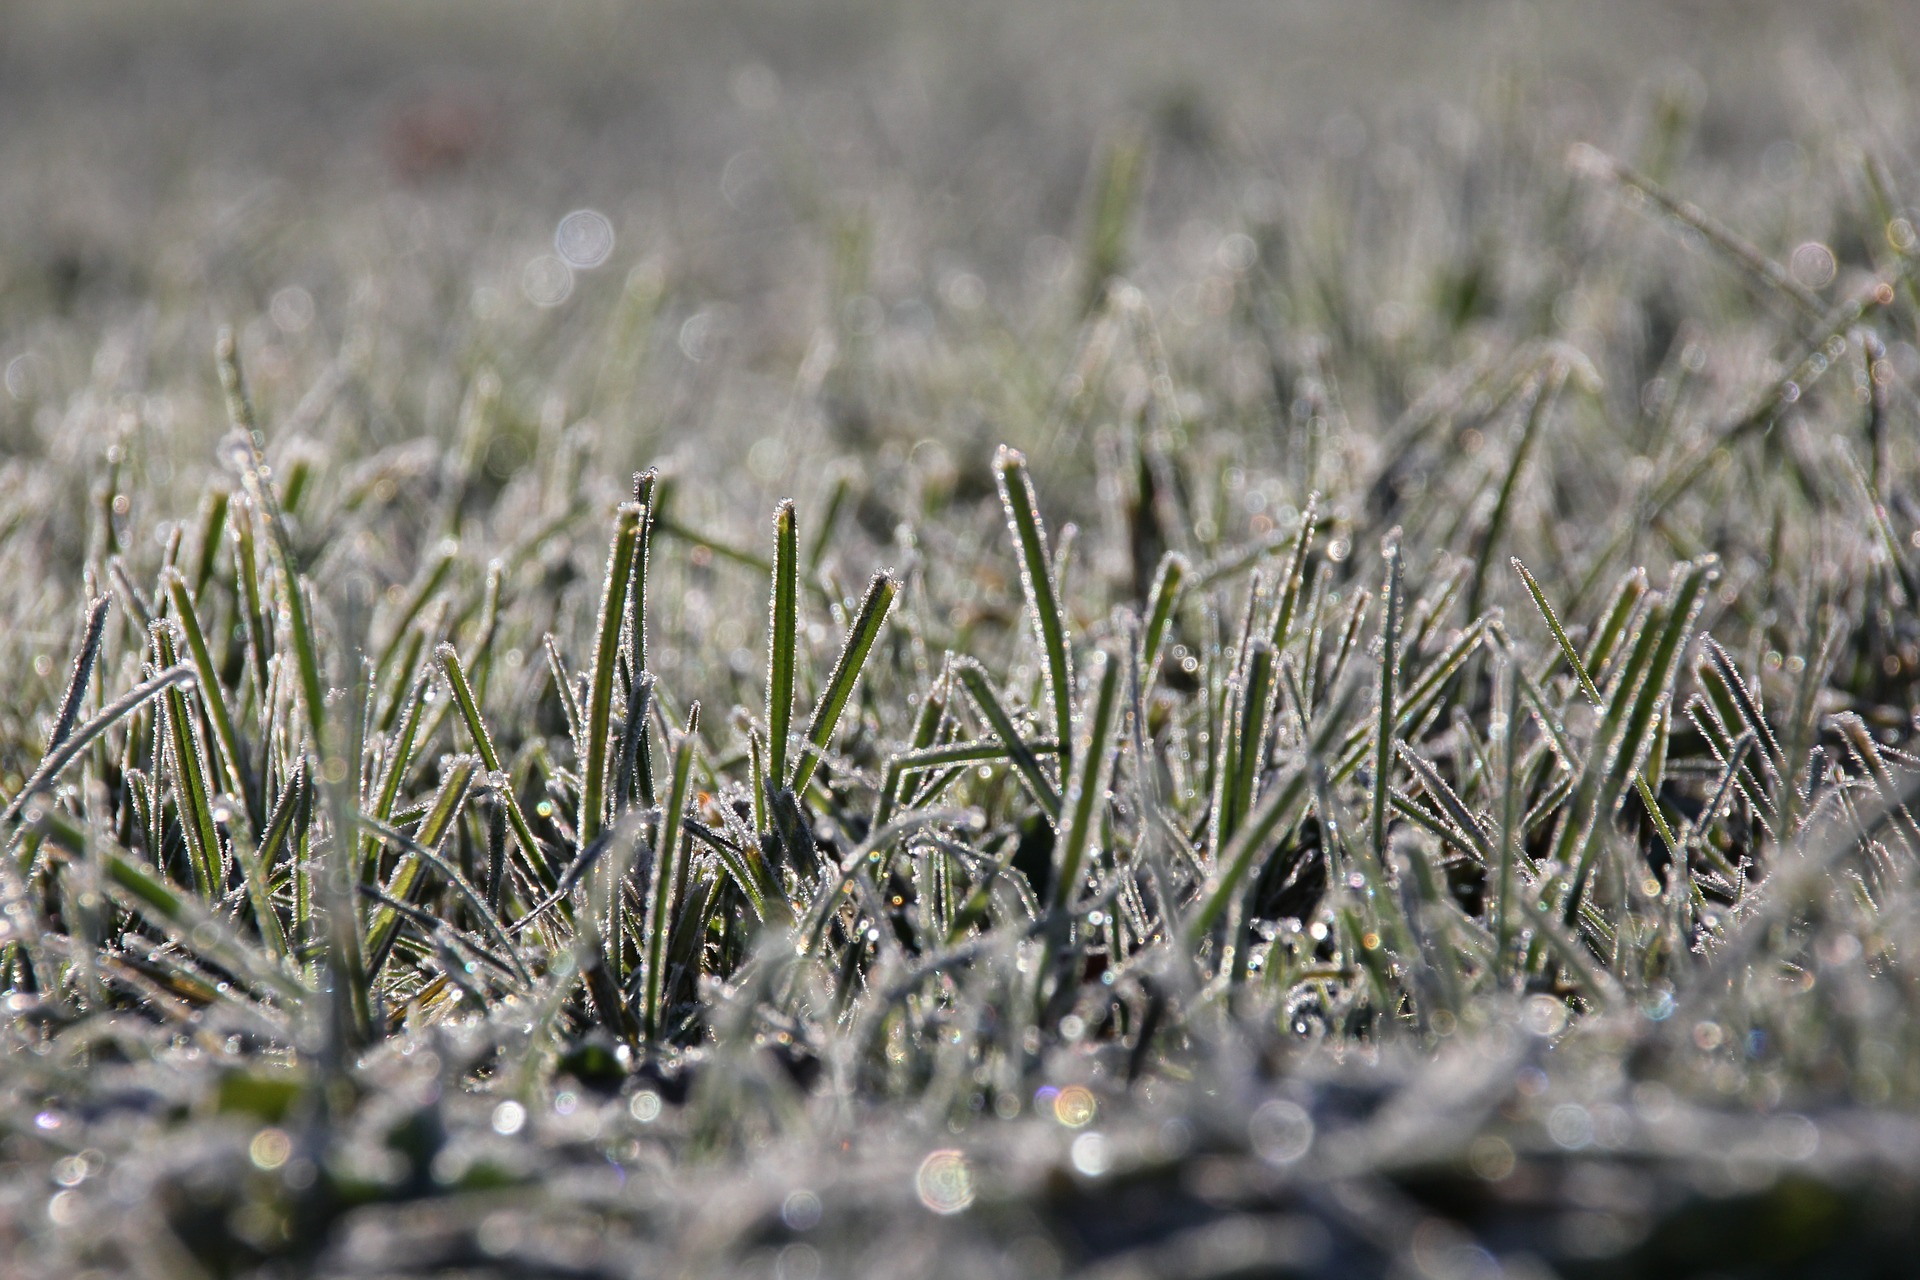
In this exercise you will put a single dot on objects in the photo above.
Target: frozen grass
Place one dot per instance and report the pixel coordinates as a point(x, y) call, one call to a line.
point(1405, 774)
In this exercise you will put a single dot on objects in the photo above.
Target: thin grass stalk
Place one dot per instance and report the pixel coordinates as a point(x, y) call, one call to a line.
point(861, 636)
point(406, 879)
point(599, 713)
point(189, 778)
point(973, 678)
point(1655, 813)
point(782, 638)
point(1037, 580)
point(1506, 744)
point(532, 856)
point(1389, 676)
point(92, 632)
point(57, 759)
point(214, 699)
point(1092, 770)
point(669, 840)
point(1163, 600)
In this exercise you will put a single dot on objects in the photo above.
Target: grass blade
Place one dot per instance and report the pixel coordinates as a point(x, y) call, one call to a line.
point(533, 857)
point(1037, 580)
point(973, 677)
point(68, 751)
point(1093, 769)
point(599, 713)
point(846, 673)
point(669, 841)
point(783, 627)
point(1165, 598)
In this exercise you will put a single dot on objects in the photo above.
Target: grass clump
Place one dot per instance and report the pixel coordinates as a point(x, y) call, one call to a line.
point(1319, 828)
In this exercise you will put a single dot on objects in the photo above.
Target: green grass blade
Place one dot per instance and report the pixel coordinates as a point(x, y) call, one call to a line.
point(1296, 576)
point(214, 698)
point(190, 788)
point(1245, 746)
point(669, 841)
point(533, 857)
point(1278, 810)
point(846, 673)
point(92, 632)
point(1093, 769)
point(251, 598)
point(1161, 604)
point(783, 626)
point(598, 742)
point(67, 752)
point(293, 600)
point(973, 678)
point(1389, 676)
point(1037, 580)
point(406, 880)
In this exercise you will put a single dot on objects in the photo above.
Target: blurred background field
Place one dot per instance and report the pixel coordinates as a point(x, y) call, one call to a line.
point(370, 193)
point(393, 169)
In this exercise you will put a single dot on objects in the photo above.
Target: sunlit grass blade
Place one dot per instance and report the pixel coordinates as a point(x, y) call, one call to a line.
point(293, 599)
point(1161, 605)
point(251, 598)
point(1296, 576)
point(533, 857)
point(1739, 708)
point(189, 778)
point(597, 732)
point(1618, 615)
point(861, 636)
point(1037, 580)
point(406, 878)
point(1244, 743)
point(1627, 718)
point(973, 677)
point(60, 757)
point(1279, 808)
point(213, 524)
point(669, 841)
point(92, 631)
point(1086, 796)
point(1655, 813)
point(1464, 820)
point(213, 698)
point(1387, 718)
point(783, 625)
point(633, 777)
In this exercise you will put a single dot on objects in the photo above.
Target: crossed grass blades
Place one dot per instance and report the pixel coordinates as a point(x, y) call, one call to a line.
point(1194, 797)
